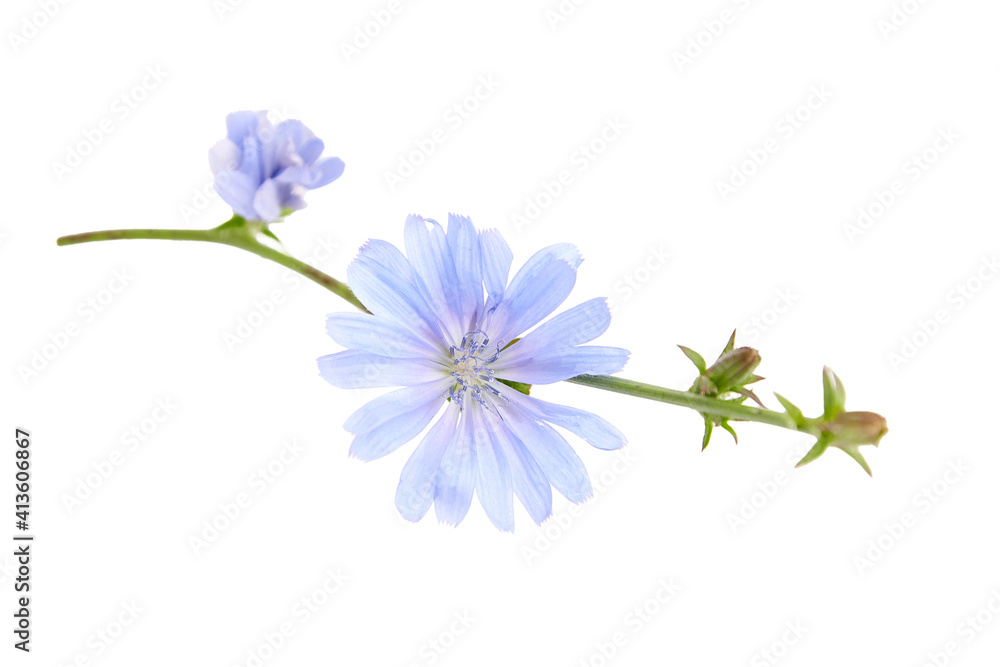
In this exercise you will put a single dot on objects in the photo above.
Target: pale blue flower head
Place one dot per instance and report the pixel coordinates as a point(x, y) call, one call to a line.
point(262, 170)
point(450, 329)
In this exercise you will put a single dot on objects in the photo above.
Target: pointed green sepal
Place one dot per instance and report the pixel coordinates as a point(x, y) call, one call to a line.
point(708, 434)
point(792, 410)
point(731, 344)
point(852, 451)
point(695, 358)
point(235, 221)
point(724, 423)
point(834, 396)
point(519, 386)
point(813, 454)
point(748, 393)
point(266, 231)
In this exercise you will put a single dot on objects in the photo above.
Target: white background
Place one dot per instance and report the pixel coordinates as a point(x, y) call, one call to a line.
point(823, 548)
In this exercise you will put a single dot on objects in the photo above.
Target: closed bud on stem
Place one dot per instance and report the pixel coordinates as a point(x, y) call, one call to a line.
point(855, 428)
point(734, 369)
point(839, 428)
point(726, 379)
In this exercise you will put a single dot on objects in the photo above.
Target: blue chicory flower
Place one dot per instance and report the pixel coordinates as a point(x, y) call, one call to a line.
point(262, 171)
point(448, 342)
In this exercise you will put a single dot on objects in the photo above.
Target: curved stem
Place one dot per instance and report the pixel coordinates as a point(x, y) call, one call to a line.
point(310, 272)
point(240, 234)
point(704, 404)
point(237, 236)
point(117, 234)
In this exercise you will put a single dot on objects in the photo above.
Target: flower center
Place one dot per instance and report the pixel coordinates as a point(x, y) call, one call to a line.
point(471, 370)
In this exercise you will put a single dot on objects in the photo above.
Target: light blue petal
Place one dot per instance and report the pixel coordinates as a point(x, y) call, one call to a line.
point(463, 243)
point(386, 283)
point(428, 252)
point(493, 480)
point(380, 410)
point(457, 476)
point(312, 176)
point(360, 331)
point(530, 483)
point(297, 143)
point(417, 482)
point(532, 299)
point(394, 433)
point(586, 425)
point(580, 324)
point(553, 454)
point(251, 162)
point(298, 174)
point(243, 124)
point(327, 171)
point(267, 201)
point(310, 150)
point(556, 365)
point(356, 369)
point(567, 252)
point(291, 197)
point(268, 155)
point(237, 190)
point(224, 155)
point(496, 258)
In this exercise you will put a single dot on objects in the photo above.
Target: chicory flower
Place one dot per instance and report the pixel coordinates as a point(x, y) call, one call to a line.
point(262, 170)
point(449, 328)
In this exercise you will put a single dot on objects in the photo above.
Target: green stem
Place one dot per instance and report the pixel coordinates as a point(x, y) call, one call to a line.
point(704, 404)
point(241, 236)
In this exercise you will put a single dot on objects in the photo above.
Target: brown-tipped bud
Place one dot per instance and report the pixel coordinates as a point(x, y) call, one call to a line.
point(850, 429)
point(734, 369)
